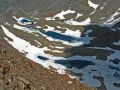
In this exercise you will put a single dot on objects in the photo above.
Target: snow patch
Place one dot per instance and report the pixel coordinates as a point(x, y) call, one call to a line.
point(32, 51)
point(91, 4)
point(68, 32)
point(112, 21)
point(61, 15)
point(78, 15)
point(23, 21)
point(100, 68)
point(31, 30)
point(117, 43)
point(72, 22)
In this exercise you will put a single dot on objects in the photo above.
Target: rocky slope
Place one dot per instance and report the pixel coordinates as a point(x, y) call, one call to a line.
point(19, 73)
point(77, 36)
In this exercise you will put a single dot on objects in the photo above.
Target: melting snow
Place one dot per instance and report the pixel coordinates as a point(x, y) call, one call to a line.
point(38, 27)
point(78, 15)
point(32, 51)
point(88, 31)
point(68, 32)
point(29, 30)
point(59, 47)
point(115, 55)
point(91, 4)
point(61, 15)
point(19, 20)
point(38, 42)
point(86, 39)
point(112, 21)
point(113, 17)
point(117, 43)
point(49, 18)
point(74, 33)
point(100, 68)
point(72, 22)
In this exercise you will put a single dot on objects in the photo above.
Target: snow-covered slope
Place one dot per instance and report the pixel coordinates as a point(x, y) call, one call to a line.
point(80, 36)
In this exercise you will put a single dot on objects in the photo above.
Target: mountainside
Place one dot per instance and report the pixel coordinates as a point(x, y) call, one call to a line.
point(80, 38)
point(101, 8)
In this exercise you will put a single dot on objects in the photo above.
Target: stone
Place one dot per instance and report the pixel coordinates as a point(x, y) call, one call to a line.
point(70, 82)
point(23, 80)
point(1, 72)
point(2, 88)
point(43, 88)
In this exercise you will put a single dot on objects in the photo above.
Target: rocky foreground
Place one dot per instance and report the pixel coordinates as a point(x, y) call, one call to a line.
point(19, 73)
point(77, 37)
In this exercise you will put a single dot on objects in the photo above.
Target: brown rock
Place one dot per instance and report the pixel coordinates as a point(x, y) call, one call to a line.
point(1, 72)
point(2, 88)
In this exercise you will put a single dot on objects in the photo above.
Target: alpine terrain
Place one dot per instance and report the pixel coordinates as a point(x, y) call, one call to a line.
point(59, 44)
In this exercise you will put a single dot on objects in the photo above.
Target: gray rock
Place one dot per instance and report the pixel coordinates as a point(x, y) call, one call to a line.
point(24, 80)
point(1, 73)
point(2, 88)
